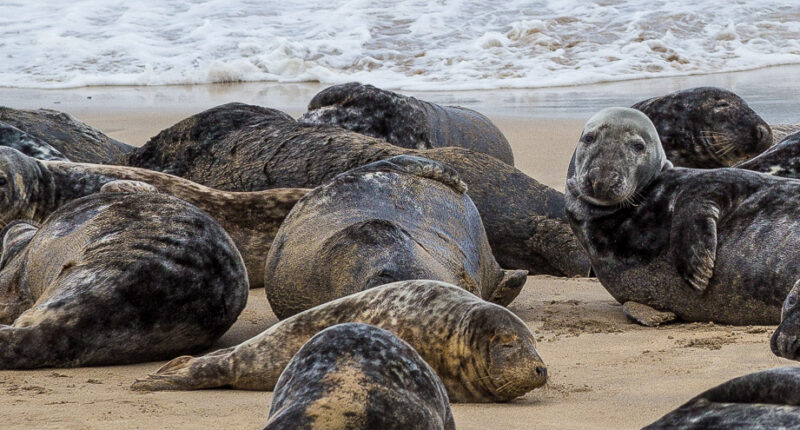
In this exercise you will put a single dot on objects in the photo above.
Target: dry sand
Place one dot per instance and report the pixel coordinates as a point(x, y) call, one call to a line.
point(605, 371)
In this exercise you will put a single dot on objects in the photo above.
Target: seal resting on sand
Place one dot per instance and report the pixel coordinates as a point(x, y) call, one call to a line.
point(706, 127)
point(36, 188)
point(406, 121)
point(401, 218)
point(524, 220)
point(360, 377)
point(707, 245)
point(760, 401)
point(71, 138)
point(481, 351)
point(116, 278)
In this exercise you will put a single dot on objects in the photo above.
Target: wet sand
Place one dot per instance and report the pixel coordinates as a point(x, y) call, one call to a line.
point(606, 373)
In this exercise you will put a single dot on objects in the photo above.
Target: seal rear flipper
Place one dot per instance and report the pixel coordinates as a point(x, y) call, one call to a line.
point(694, 242)
point(554, 240)
point(126, 186)
point(191, 373)
point(646, 315)
point(418, 166)
point(509, 287)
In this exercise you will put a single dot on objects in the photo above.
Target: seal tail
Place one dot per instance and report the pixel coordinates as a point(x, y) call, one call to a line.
point(212, 370)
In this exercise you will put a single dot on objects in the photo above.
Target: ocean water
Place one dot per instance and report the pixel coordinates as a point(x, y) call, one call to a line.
point(402, 44)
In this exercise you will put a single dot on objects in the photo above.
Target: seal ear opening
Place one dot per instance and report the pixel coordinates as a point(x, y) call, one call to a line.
point(509, 287)
point(16, 236)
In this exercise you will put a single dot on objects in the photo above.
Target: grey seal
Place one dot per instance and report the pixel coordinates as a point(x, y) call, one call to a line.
point(764, 400)
point(707, 245)
point(706, 127)
point(782, 159)
point(264, 148)
point(23, 142)
point(36, 188)
point(358, 376)
point(397, 219)
point(481, 351)
point(116, 278)
point(406, 121)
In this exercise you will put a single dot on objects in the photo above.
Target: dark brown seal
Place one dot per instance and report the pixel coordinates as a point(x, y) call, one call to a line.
point(393, 220)
point(764, 400)
point(708, 245)
point(706, 127)
point(116, 278)
point(481, 351)
point(406, 121)
point(524, 220)
point(71, 138)
point(36, 188)
point(358, 376)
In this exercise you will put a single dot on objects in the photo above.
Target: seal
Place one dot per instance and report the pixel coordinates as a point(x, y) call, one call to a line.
point(359, 376)
point(36, 188)
point(782, 159)
point(785, 342)
point(393, 220)
point(406, 121)
point(23, 142)
point(72, 138)
point(524, 219)
point(760, 401)
point(116, 278)
point(689, 241)
point(706, 127)
point(481, 351)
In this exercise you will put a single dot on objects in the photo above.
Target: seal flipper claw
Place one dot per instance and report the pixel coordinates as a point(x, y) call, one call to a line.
point(695, 243)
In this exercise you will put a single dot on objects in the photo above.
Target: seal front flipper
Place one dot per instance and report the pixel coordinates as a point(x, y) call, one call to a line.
point(694, 242)
point(414, 165)
point(126, 186)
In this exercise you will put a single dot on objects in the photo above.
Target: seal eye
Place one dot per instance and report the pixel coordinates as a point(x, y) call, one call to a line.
point(3, 181)
point(638, 146)
point(722, 105)
point(588, 139)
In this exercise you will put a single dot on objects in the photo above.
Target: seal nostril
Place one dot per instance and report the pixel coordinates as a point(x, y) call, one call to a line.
point(541, 371)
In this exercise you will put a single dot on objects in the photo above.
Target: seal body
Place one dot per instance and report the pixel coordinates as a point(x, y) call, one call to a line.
point(393, 220)
point(71, 138)
point(481, 351)
point(782, 159)
point(524, 220)
point(406, 121)
point(23, 142)
point(689, 241)
point(116, 278)
point(706, 127)
point(358, 376)
point(37, 188)
point(763, 400)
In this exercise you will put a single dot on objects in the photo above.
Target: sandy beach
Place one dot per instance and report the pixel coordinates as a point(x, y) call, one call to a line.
point(606, 372)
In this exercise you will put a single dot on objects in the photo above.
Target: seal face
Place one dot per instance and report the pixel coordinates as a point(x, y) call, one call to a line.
point(689, 241)
point(706, 127)
point(782, 159)
point(358, 376)
point(171, 275)
point(481, 351)
point(763, 400)
point(406, 121)
point(785, 342)
point(524, 220)
point(397, 219)
point(71, 138)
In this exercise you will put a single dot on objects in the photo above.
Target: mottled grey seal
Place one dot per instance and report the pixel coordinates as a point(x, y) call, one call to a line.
point(401, 218)
point(73, 139)
point(358, 376)
point(524, 220)
point(782, 159)
point(116, 278)
point(481, 351)
point(406, 121)
point(36, 188)
point(785, 342)
point(765, 400)
point(706, 127)
point(708, 245)
point(23, 142)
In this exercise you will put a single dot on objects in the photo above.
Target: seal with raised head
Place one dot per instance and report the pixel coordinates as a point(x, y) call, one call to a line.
point(116, 278)
point(406, 121)
point(71, 138)
point(764, 400)
point(785, 342)
point(358, 376)
point(782, 159)
point(36, 188)
point(706, 127)
point(524, 220)
point(707, 245)
point(397, 219)
point(482, 352)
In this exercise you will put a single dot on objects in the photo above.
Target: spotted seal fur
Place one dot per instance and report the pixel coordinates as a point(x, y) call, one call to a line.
point(481, 351)
point(23, 142)
point(782, 159)
point(116, 278)
point(358, 376)
point(401, 218)
point(689, 241)
point(406, 121)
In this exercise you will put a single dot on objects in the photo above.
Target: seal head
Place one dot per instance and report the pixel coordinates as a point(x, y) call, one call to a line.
point(785, 342)
point(22, 180)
